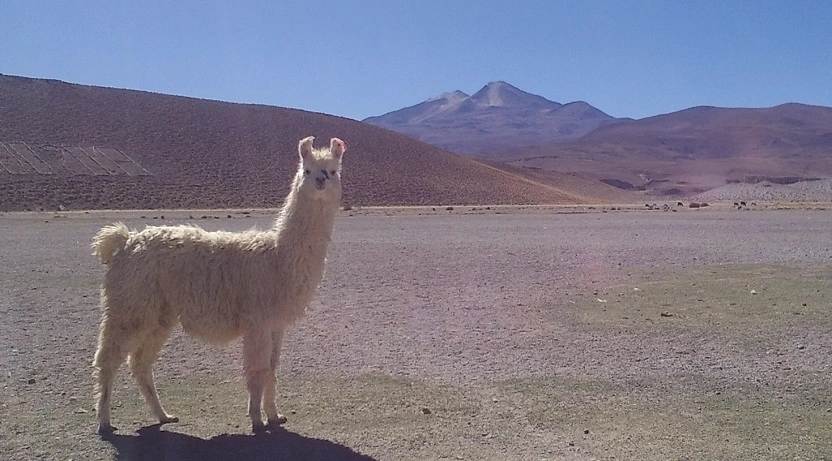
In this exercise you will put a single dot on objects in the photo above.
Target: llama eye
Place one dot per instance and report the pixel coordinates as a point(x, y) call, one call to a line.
point(306, 172)
point(332, 172)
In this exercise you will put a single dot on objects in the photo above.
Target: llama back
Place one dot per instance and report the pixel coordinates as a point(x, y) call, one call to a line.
point(213, 283)
point(109, 241)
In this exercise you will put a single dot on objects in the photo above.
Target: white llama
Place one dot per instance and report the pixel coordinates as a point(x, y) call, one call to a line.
point(218, 286)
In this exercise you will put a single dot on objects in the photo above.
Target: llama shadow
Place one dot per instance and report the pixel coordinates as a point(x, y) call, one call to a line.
point(150, 443)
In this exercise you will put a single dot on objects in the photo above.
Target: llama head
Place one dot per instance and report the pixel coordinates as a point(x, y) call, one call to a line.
point(319, 170)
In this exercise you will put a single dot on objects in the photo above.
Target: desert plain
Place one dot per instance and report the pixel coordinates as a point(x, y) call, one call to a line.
point(539, 333)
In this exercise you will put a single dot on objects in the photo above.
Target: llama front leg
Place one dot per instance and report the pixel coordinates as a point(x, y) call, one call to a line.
point(269, 396)
point(141, 362)
point(257, 349)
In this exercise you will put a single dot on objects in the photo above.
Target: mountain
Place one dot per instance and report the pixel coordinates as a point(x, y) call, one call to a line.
point(496, 117)
point(696, 149)
point(427, 109)
point(86, 147)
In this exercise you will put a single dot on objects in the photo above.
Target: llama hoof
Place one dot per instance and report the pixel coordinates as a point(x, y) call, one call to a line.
point(279, 421)
point(258, 428)
point(105, 429)
point(168, 419)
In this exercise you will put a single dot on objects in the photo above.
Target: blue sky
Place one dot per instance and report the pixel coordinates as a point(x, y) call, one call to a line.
point(362, 58)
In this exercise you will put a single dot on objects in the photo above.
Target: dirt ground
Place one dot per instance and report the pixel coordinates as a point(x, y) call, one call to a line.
point(473, 333)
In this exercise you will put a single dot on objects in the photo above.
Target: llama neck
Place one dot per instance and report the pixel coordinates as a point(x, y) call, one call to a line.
point(305, 224)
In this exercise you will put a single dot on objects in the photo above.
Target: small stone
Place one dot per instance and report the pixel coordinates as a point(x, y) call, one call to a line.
point(426, 411)
point(753, 292)
point(801, 346)
point(666, 314)
point(31, 381)
point(586, 431)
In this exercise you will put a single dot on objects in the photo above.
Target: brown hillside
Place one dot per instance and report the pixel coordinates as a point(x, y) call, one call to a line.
point(696, 149)
point(579, 187)
point(86, 147)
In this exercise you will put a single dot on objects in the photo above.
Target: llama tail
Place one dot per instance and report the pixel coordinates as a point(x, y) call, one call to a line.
point(109, 241)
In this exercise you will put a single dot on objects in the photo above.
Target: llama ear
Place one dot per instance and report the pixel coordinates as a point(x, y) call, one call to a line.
point(305, 146)
point(337, 148)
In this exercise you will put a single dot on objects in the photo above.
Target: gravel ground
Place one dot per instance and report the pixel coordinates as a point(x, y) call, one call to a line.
point(451, 299)
point(433, 281)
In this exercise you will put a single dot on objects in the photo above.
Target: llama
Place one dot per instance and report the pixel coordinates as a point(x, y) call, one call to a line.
point(218, 286)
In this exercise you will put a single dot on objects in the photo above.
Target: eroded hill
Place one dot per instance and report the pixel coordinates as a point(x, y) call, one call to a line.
point(84, 147)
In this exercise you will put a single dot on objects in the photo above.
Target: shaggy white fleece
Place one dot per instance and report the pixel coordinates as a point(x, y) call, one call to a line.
point(218, 286)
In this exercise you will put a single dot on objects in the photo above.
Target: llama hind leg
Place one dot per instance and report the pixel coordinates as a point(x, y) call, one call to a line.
point(112, 350)
point(141, 363)
point(257, 348)
point(269, 395)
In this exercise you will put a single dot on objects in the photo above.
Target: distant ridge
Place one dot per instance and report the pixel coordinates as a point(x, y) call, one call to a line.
point(84, 147)
point(496, 117)
point(696, 149)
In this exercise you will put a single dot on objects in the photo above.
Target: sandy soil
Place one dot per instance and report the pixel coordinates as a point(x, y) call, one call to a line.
point(461, 307)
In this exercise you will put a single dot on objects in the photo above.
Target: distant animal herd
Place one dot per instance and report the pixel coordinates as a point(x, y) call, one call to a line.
point(666, 207)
